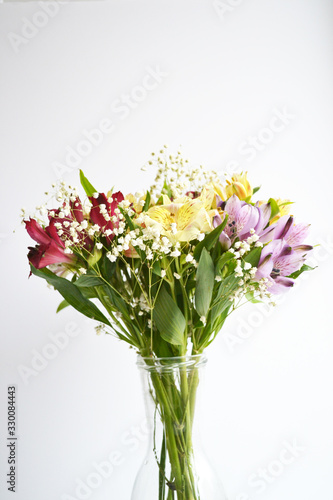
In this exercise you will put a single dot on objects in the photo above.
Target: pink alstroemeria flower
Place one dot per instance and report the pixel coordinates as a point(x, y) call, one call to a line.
point(101, 207)
point(277, 261)
point(242, 217)
point(50, 248)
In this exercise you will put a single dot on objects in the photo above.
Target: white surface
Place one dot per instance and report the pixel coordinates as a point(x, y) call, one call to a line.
point(225, 77)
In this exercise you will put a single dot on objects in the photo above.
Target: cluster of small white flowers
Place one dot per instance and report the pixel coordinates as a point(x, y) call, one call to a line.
point(178, 174)
point(246, 271)
point(69, 231)
point(61, 193)
point(100, 328)
point(140, 303)
point(147, 239)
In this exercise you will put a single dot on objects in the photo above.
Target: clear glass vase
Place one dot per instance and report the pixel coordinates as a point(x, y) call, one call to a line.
point(175, 467)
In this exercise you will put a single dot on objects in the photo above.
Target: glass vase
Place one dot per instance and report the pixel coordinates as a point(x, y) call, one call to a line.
point(175, 467)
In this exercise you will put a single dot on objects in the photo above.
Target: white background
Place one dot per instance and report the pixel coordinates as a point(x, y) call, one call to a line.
point(227, 74)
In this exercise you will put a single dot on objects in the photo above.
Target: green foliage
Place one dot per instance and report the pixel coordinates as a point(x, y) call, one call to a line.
point(250, 297)
point(210, 239)
point(274, 208)
point(300, 271)
point(222, 261)
point(169, 319)
point(253, 256)
point(205, 283)
point(89, 188)
point(147, 202)
point(71, 294)
point(62, 305)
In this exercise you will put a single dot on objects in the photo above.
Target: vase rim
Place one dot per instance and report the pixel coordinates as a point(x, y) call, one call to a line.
point(188, 360)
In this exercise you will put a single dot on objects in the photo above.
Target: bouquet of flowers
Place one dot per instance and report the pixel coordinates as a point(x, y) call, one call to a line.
point(162, 270)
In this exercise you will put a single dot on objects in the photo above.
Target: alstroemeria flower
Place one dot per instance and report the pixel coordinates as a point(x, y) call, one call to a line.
point(240, 186)
point(136, 204)
point(277, 261)
point(50, 248)
point(182, 219)
point(103, 213)
point(242, 217)
point(284, 228)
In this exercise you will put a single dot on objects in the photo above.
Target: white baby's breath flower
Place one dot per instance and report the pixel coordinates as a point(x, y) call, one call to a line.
point(111, 257)
point(173, 228)
point(200, 236)
point(218, 278)
point(163, 273)
point(99, 246)
point(177, 276)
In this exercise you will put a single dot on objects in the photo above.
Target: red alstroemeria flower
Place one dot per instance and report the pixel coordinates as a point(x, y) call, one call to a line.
point(50, 248)
point(102, 208)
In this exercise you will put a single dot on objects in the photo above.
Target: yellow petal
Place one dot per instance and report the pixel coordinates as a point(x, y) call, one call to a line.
point(162, 215)
point(187, 212)
point(207, 196)
point(220, 191)
point(239, 190)
point(201, 222)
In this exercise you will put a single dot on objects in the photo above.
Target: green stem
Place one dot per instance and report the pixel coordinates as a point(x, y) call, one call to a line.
point(176, 411)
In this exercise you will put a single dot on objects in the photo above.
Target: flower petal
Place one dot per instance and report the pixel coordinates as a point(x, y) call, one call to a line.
point(297, 234)
point(36, 232)
point(281, 285)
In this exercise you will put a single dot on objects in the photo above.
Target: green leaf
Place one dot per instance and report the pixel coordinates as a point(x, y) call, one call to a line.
point(157, 268)
point(253, 256)
point(210, 240)
point(89, 188)
point(221, 302)
point(167, 190)
point(300, 271)
point(274, 208)
point(219, 321)
point(87, 281)
point(169, 319)
point(147, 202)
point(205, 283)
point(116, 301)
point(128, 219)
point(107, 268)
point(250, 298)
point(226, 288)
point(71, 294)
point(223, 260)
point(256, 189)
point(62, 305)
point(94, 257)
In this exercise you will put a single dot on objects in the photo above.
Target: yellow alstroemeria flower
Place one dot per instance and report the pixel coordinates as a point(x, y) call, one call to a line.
point(219, 190)
point(240, 186)
point(182, 219)
point(137, 203)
